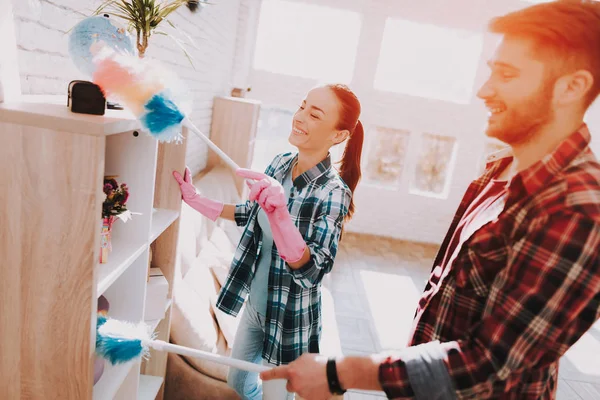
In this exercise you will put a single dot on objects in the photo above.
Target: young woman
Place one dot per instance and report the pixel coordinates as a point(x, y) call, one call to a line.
point(293, 221)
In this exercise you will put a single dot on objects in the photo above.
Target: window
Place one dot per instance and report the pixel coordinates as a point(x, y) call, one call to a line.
point(273, 130)
point(428, 61)
point(386, 156)
point(434, 165)
point(272, 137)
point(307, 41)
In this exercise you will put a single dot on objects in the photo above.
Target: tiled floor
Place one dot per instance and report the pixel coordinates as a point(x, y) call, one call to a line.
point(376, 284)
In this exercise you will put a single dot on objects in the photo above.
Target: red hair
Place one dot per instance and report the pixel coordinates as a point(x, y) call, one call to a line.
point(566, 34)
point(348, 120)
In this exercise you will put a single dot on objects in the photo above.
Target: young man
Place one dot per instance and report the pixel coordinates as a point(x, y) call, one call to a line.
point(517, 278)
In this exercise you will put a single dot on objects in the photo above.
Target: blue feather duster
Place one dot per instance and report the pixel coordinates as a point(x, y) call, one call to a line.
point(162, 118)
point(120, 342)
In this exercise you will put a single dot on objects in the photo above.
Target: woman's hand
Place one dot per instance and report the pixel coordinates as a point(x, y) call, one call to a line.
point(211, 209)
point(270, 196)
point(188, 190)
point(266, 191)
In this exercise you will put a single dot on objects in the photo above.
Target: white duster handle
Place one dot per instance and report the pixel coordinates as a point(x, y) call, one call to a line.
point(189, 124)
point(161, 345)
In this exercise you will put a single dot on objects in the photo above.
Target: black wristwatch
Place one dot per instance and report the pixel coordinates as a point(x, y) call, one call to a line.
point(332, 378)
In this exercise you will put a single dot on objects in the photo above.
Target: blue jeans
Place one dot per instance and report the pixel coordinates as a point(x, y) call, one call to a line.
point(248, 346)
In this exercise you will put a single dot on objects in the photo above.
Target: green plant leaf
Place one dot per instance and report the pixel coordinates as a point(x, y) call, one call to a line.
point(144, 16)
point(181, 32)
point(188, 55)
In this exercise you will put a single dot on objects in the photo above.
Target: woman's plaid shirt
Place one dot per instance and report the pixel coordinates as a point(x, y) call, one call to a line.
point(318, 203)
point(522, 289)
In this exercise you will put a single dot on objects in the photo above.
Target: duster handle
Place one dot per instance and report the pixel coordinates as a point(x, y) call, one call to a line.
point(161, 345)
point(189, 124)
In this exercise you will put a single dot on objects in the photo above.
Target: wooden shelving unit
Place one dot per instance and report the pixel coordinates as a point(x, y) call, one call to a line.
point(52, 165)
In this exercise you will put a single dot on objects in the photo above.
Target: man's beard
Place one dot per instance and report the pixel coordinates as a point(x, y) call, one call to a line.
point(520, 123)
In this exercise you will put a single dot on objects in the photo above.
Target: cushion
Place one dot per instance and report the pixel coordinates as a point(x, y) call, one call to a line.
point(199, 278)
point(187, 241)
point(227, 324)
point(219, 184)
point(205, 246)
point(233, 232)
point(196, 230)
point(212, 259)
point(184, 382)
point(224, 250)
point(220, 274)
point(225, 246)
point(193, 322)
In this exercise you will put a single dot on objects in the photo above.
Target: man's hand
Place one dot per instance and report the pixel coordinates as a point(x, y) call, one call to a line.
point(306, 376)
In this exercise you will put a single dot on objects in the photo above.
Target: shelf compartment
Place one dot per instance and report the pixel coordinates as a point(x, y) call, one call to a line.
point(161, 220)
point(119, 259)
point(112, 379)
point(153, 323)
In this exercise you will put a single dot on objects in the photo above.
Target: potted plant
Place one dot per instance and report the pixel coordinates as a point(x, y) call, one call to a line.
point(143, 18)
point(114, 206)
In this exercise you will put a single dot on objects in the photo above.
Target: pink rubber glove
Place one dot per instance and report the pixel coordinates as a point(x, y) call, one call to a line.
point(270, 195)
point(211, 209)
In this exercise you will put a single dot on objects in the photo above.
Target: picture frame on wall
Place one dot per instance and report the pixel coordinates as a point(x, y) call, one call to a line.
point(434, 167)
point(386, 156)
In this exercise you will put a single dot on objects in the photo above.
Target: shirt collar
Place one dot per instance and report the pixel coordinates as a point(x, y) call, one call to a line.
point(308, 176)
point(541, 172)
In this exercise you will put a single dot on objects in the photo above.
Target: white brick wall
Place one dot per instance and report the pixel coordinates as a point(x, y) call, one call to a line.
point(245, 42)
point(45, 67)
point(10, 87)
point(225, 34)
point(394, 211)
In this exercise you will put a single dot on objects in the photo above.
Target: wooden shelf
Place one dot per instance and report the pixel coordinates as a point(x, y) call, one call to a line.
point(111, 380)
point(149, 387)
point(120, 258)
point(154, 322)
point(79, 150)
point(161, 220)
point(52, 113)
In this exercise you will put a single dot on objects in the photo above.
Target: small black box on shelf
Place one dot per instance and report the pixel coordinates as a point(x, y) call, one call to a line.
point(86, 98)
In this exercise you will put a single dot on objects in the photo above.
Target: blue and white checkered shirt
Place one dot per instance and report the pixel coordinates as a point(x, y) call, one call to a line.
point(318, 204)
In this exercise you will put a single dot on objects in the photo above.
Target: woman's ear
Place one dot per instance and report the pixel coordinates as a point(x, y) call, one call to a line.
point(340, 136)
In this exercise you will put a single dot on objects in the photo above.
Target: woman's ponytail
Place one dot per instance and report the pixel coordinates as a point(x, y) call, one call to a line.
point(350, 164)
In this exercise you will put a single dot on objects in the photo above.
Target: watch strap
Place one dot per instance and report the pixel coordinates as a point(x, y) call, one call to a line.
point(332, 378)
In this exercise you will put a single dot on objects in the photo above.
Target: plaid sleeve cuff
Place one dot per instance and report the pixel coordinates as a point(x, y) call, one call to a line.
point(241, 214)
point(394, 378)
point(418, 372)
point(305, 275)
point(312, 272)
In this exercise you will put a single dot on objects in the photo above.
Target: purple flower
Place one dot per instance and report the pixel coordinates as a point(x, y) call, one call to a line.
point(107, 188)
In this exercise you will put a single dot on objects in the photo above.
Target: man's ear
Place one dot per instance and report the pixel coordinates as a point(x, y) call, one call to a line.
point(573, 87)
